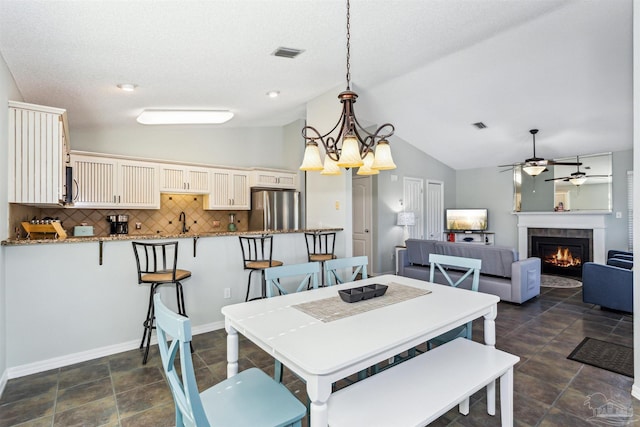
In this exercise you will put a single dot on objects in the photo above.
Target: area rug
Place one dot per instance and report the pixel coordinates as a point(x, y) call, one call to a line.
point(550, 281)
point(605, 355)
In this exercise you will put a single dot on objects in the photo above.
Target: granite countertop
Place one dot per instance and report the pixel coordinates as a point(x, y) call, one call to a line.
point(118, 237)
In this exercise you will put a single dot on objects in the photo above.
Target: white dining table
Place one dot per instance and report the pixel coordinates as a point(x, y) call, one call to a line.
point(323, 352)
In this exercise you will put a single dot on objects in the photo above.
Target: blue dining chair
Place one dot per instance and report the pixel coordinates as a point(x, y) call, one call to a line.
point(464, 268)
point(309, 272)
point(334, 269)
point(249, 399)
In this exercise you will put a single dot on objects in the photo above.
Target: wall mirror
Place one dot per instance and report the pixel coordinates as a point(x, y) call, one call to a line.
point(564, 188)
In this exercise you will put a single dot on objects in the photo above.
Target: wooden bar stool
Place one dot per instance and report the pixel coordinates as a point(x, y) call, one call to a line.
point(257, 252)
point(157, 265)
point(320, 248)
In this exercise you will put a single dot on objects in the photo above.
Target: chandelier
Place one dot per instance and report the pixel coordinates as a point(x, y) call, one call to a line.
point(352, 146)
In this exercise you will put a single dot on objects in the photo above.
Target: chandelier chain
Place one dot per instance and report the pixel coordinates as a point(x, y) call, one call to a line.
point(348, 47)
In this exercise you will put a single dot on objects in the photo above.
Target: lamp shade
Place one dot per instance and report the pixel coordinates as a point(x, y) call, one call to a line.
point(406, 218)
point(350, 155)
point(534, 170)
point(311, 160)
point(368, 162)
point(330, 167)
point(383, 159)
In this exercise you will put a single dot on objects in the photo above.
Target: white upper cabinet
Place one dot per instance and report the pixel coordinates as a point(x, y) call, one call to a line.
point(104, 182)
point(38, 150)
point(229, 190)
point(274, 179)
point(184, 179)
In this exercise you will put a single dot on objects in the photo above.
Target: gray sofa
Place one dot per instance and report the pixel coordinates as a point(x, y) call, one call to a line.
point(502, 274)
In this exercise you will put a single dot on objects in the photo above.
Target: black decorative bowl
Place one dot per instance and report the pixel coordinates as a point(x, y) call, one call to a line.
point(362, 292)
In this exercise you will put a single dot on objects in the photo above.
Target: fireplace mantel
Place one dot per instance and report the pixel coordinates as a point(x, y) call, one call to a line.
point(593, 221)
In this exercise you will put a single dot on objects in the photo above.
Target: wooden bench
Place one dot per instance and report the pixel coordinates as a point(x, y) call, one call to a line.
point(418, 391)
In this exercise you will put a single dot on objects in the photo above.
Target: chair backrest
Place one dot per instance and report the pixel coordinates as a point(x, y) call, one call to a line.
point(308, 270)
point(257, 249)
point(156, 258)
point(468, 265)
point(354, 266)
point(320, 243)
point(189, 409)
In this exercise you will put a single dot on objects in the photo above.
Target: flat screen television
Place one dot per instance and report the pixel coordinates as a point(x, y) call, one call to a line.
point(466, 219)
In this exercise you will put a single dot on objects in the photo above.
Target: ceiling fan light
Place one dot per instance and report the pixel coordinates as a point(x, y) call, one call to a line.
point(534, 170)
point(350, 155)
point(311, 160)
point(330, 167)
point(383, 159)
point(578, 181)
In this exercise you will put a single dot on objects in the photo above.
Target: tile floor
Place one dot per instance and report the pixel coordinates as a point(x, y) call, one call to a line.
point(549, 389)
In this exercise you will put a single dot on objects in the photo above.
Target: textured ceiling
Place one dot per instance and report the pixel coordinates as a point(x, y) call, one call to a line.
point(431, 67)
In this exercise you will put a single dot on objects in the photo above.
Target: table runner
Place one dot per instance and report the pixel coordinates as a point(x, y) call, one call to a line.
point(333, 308)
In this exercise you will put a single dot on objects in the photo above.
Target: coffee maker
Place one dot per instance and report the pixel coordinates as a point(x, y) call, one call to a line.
point(119, 224)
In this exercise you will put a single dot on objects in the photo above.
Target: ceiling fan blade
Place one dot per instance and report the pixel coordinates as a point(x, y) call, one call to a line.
point(597, 176)
point(551, 162)
point(564, 178)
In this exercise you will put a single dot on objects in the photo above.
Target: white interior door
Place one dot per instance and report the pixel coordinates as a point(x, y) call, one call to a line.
point(362, 219)
point(413, 201)
point(435, 210)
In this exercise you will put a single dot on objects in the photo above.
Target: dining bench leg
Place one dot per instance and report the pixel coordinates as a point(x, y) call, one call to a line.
point(506, 398)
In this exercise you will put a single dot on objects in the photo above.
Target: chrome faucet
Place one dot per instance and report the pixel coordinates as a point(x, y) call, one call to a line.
point(183, 218)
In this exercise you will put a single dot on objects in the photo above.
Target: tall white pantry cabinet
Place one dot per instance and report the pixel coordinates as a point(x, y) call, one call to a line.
point(38, 154)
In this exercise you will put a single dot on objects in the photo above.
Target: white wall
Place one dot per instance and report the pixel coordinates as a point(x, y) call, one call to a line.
point(8, 91)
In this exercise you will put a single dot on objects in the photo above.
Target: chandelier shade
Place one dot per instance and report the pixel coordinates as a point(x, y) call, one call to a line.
point(366, 169)
point(348, 143)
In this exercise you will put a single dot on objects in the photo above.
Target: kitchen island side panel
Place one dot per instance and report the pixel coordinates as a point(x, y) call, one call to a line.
point(63, 306)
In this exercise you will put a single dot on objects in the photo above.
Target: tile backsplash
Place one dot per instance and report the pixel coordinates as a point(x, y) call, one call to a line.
point(152, 221)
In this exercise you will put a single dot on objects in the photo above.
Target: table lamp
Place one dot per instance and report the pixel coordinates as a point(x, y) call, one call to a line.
point(405, 219)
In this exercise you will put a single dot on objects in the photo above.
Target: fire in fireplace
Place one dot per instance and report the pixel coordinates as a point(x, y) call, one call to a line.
point(562, 256)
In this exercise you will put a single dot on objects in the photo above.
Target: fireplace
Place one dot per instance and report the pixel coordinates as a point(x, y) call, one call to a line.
point(563, 256)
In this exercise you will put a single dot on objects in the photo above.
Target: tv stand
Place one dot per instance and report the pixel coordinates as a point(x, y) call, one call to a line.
point(473, 237)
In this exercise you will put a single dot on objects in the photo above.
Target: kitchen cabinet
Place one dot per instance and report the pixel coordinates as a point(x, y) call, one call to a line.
point(105, 182)
point(184, 179)
point(38, 149)
point(229, 190)
point(274, 179)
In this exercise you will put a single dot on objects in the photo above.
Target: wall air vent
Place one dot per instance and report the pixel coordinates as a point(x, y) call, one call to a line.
point(480, 125)
point(287, 52)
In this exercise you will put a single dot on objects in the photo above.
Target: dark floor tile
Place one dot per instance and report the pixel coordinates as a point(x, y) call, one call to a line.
point(127, 380)
point(557, 418)
point(97, 413)
point(29, 386)
point(83, 393)
point(530, 387)
point(83, 374)
point(143, 398)
point(527, 410)
point(34, 407)
point(158, 416)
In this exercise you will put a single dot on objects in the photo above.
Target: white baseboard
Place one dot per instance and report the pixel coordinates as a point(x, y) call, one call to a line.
point(70, 359)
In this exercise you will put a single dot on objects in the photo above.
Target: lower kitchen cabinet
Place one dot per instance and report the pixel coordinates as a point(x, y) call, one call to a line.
point(113, 183)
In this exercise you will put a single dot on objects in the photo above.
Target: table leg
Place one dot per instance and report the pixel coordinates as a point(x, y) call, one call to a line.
point(490, 339)
point(319, 392)
point(506, 398)
point(232, 351)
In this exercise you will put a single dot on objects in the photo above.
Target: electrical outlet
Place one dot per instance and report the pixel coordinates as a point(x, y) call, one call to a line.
point(216, 224)
point(227, 292)
point(138, 226)
point(618, 215)
point(337, 205)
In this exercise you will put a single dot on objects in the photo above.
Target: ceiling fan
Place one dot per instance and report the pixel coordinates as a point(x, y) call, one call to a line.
point(535, 165)
point(578, 177)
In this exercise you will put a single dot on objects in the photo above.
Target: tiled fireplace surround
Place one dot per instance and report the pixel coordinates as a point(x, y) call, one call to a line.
point(152, 221)
point(567, 224)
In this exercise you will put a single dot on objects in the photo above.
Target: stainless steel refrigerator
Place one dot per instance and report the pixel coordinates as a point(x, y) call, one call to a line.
point(275, 210)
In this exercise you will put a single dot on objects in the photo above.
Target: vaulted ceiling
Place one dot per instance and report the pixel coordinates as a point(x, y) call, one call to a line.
point(431, 67)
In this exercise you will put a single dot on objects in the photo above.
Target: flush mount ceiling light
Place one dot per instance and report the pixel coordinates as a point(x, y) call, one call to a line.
point(127, 87)
point(273, 94)
point(184, 117)
point(352, 143)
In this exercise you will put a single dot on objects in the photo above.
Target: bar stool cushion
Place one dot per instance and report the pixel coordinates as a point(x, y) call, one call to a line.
point(258, 265)
point(321, 257)
point(165, 276)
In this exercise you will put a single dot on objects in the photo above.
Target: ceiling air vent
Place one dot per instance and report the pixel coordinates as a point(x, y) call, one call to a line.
point(480, 125)
point(287, 52)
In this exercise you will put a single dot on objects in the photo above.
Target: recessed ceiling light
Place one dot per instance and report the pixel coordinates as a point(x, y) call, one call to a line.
point(273, 94)
point(182, 117)
point(127, 87)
